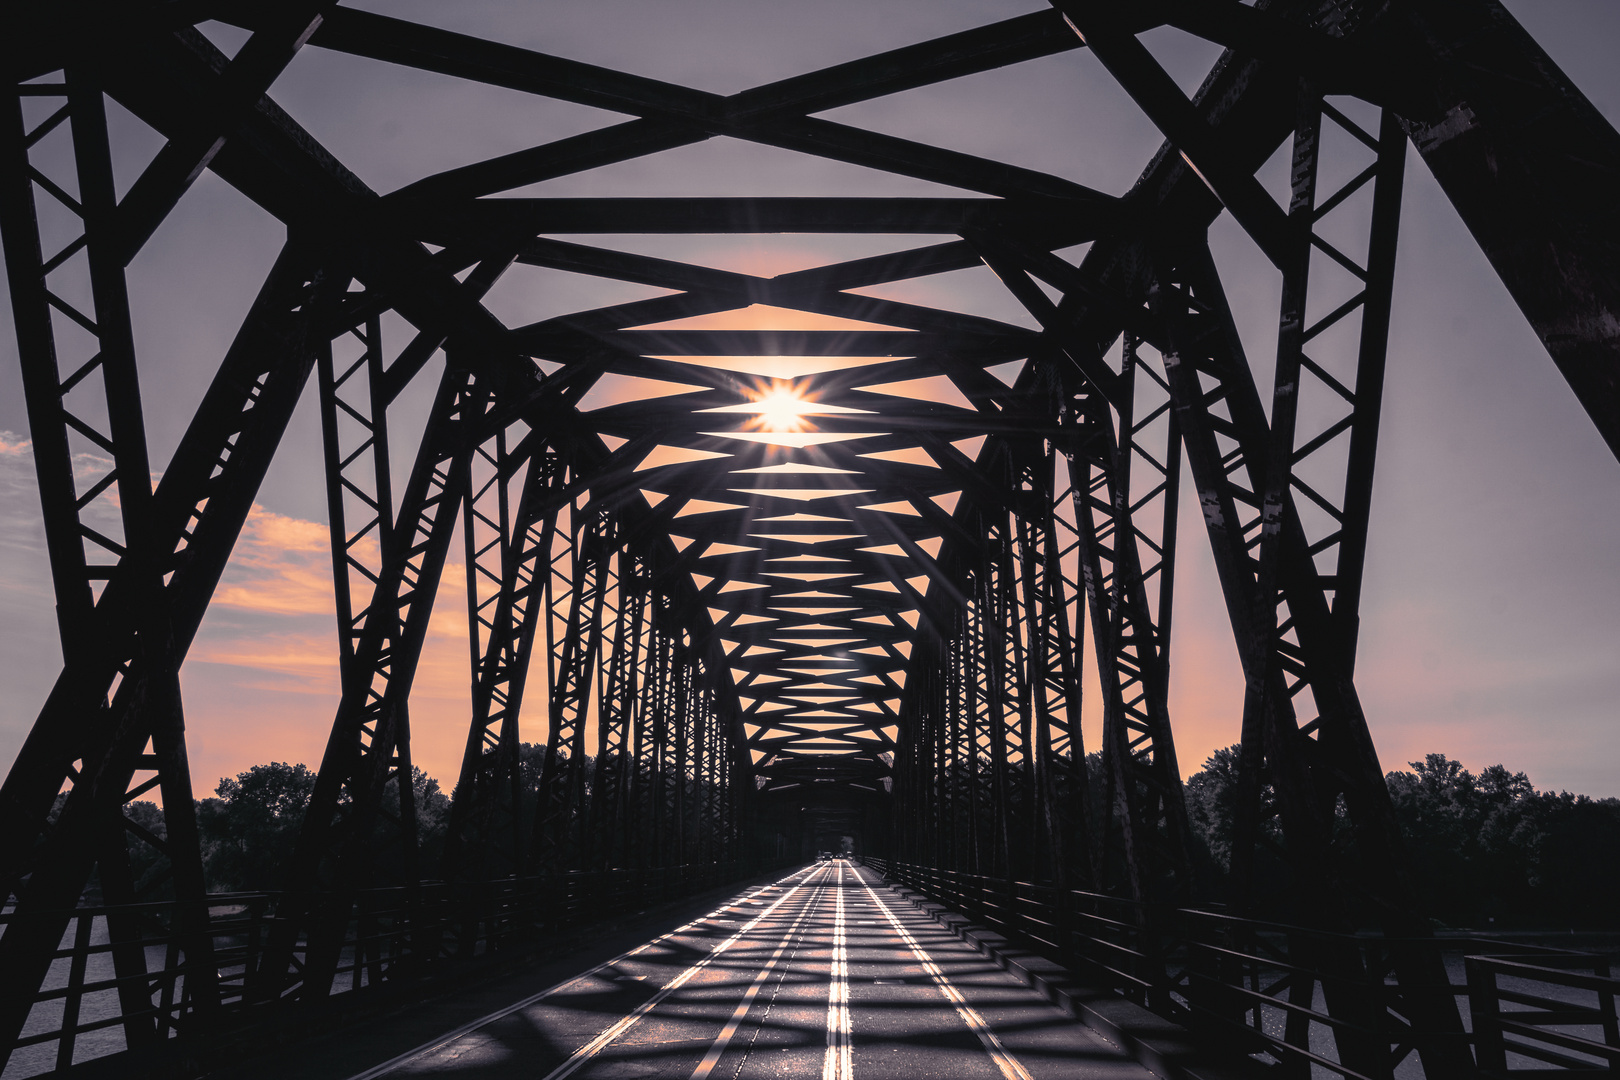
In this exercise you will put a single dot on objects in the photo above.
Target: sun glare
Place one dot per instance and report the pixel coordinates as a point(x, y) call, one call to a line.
point(783, 409)
point(779, 409)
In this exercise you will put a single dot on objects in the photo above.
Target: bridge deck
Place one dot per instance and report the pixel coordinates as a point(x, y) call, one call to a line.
point(822, 974)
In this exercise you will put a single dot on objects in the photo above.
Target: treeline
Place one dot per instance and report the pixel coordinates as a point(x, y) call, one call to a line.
point(1486, 851)
point(249, 828)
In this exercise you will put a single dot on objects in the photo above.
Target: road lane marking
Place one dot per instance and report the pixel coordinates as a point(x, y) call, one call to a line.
point(1009, 1065)
point(836, 1065)
point(585, 1053)
point(712, 1058)
point(468, 1028)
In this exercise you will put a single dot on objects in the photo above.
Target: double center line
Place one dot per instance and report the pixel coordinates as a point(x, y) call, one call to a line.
point(837, 1064)
point(596, 1045)
point(718, 1049)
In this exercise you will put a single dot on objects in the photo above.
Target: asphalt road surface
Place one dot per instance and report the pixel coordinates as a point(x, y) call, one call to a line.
point(822, 974)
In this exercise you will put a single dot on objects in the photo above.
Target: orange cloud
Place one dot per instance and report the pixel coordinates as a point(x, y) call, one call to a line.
point(281, 566)
point(262, 681)
point(309, 659)
point(272, 697)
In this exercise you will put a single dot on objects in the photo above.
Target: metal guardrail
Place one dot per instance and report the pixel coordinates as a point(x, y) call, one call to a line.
point(97, 1002)
point(1558, 1008)
point(1300, 1000)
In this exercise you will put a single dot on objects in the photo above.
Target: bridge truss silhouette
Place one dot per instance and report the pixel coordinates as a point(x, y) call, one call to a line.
point(772, 609)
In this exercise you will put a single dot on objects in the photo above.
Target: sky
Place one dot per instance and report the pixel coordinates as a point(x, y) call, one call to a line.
point(1491, 616)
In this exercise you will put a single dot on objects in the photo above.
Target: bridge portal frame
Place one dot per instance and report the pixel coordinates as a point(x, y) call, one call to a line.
point(988, 754)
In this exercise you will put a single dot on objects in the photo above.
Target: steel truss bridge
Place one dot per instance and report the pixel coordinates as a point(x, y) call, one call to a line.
point(772, 610)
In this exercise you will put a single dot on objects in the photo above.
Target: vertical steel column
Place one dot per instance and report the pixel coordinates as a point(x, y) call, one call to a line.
point(681, 731)
point(933, 771)
point(1290, 637)
point(697, 805)
point(610, 629)
point(370, 740)
point(1319, 893)
point(355, 395)
point(979, 731)
point(919, 822)
point(125, 483)
point(129, 641)
point(706, 755)
point(616, 713)
point(650, 740)
point(485, 838)
point(486, 536)
point(1019, 829)
point(1139, 758)
point(957, 763)
point(579, 577)
point(1262, 673)
point(1138, 749)
point(1059, 756)
point(1065, 614)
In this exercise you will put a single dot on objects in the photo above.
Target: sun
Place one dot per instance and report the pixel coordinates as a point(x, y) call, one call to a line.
point(782, 408)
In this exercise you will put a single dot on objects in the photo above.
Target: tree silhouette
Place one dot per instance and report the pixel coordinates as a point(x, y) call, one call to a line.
point(1487, 851)
point(249, 830)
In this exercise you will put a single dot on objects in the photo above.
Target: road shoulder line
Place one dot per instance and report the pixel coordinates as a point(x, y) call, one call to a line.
point(1163, 1047)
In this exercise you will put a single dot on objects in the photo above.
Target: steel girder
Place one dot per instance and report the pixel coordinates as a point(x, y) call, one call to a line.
point(82, 745)
point(992, 764)
point(1050, 603)
point(486, 832)
point(938, 646)
point(116, 711)
point(1130, 631)
point(1529, 164)
point(370, 740)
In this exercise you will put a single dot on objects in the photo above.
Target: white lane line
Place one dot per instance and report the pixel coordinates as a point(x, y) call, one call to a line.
point(468, 1028)
point(623, 1024)
point(1009, 1065)
point(836, 1065)
point(712, 1058)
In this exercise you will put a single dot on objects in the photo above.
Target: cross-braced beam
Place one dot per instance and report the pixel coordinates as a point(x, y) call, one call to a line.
point(749, 629)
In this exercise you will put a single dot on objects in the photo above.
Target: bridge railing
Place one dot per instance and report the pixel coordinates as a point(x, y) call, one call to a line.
point(1304, 1001)
point(117, 983)
point(1557, 1011)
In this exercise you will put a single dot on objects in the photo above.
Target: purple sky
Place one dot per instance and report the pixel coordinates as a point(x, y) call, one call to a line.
point(1491, 618)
